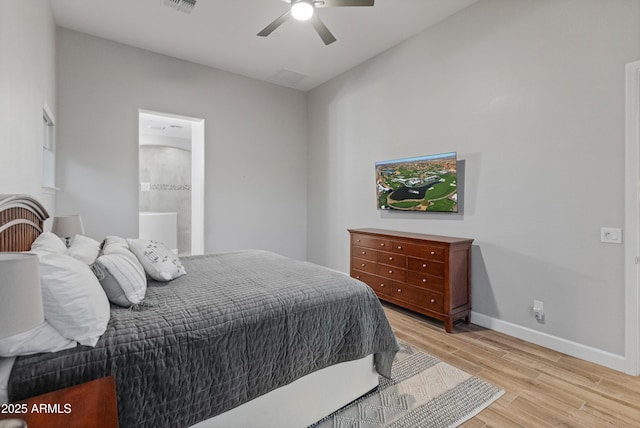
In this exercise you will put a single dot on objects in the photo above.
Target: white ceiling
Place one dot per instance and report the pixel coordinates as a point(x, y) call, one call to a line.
point(222, 33)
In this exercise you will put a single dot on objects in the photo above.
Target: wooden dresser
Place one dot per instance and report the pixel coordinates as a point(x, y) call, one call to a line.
point(428, 274)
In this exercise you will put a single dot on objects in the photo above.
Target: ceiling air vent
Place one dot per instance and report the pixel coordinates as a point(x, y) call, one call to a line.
point(287, 78)
point(185, 6)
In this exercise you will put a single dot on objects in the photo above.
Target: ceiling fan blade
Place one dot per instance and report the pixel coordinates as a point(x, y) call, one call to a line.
point(275, 24)
point(322, 30)
point(344, 3)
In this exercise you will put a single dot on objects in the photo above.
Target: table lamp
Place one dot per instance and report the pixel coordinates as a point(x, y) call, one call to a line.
point(21, 302)
point(67, 226)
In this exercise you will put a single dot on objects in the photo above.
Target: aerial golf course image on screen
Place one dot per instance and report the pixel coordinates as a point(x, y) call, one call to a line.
point(424, 183)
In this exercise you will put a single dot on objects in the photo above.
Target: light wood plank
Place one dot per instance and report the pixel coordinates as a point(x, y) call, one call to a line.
point(543, 388)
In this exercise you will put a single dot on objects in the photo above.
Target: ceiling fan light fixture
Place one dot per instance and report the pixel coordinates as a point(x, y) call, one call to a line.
point(302, 10)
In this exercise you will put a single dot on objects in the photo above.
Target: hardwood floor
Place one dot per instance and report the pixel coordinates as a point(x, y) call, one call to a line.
point(543, 388)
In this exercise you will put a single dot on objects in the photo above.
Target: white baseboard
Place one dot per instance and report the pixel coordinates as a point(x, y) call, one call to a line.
point(588, 353)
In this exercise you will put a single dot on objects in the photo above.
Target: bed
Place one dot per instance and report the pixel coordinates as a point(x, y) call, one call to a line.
point(241, 340)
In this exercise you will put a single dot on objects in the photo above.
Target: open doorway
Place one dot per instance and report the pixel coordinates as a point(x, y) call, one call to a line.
point(171, 181)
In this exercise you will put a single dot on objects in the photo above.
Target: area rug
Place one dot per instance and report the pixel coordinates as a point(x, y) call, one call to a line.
point(423, 392)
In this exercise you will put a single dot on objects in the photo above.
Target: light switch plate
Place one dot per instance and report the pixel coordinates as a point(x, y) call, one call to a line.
point(611, 235)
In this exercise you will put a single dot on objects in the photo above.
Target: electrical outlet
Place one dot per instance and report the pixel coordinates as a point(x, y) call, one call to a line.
point(538, 310)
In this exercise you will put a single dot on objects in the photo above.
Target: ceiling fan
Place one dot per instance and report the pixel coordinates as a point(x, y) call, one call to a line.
point(304, 10)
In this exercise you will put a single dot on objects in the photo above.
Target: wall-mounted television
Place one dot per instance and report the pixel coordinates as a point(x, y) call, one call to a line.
point(424, 183)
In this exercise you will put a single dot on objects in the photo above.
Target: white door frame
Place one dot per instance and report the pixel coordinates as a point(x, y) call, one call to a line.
point(632, 219)
point(197, 187)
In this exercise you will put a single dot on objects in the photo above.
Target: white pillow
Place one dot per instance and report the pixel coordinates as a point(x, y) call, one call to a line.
point(42, 338)
point(47, 243)
point(158, 261)
point(120, 273)
point(73, 301)
point(84, 249)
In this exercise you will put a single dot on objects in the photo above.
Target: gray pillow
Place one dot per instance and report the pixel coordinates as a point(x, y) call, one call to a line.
point(120, 273)
point(159, 262)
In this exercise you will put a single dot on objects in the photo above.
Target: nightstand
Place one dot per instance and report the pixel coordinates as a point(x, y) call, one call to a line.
point(89, 405)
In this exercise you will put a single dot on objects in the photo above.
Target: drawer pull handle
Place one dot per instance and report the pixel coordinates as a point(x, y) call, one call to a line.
point(390, 271)
point(382, 244)
point(424, 280)
point(390, 258)
point(364, 264)
point(399, 290)
point(357, 276)
point(424, 265)
point(433, 300)
point(433, 253)
point(381, 285)
point(357, 240)
point(364, 252)
point(399, 247)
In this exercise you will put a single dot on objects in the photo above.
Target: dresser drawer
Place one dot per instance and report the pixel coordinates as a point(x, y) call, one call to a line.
point(364, 253)
point(363, 265)
point(426, 266)
point(392, 259)
point(381, 286)
point(429, 282)
point(391, 272)
point(418, 250)
point(371, 242)
point(420, 297)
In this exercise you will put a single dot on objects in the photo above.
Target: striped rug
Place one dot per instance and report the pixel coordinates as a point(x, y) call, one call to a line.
point(424, 392)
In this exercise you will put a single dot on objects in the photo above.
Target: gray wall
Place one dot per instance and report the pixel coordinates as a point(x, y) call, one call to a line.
point(255, 183)
point(27, 81)
point(531, 95)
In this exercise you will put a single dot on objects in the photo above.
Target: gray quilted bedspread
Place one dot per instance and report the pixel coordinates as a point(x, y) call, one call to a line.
point(237, 326)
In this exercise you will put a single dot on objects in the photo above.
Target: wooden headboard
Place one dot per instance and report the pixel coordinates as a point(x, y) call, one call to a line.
point(21, 221)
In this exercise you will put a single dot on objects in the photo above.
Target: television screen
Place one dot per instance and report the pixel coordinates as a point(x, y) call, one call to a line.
point(425, 183)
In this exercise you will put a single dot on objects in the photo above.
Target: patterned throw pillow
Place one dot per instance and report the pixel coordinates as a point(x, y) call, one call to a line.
point(120, 273)
point(158, 261)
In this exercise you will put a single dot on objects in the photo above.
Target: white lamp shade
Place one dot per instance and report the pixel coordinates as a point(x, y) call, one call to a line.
point(20, 294)
point(67, 226)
